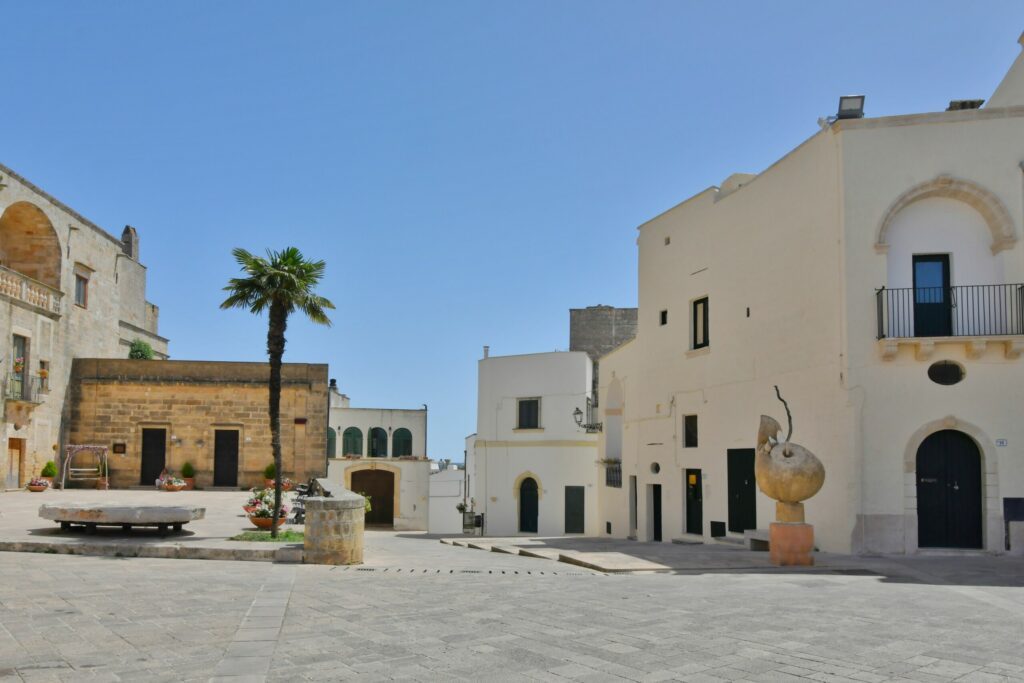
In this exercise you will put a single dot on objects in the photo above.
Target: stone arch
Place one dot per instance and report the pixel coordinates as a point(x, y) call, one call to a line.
point(519, 482)
point(992, 522)
point(29, 243)
point(996, 216)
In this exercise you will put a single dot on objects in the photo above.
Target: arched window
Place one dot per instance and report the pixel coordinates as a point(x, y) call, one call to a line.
point(378, 443)
point(401, 442)
point(332, 442)
point(352, 441)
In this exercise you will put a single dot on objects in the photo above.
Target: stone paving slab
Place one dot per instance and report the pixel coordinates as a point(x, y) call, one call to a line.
point(611, 562)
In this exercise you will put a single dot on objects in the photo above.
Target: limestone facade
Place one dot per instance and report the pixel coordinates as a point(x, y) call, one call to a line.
point(199, 412)
point(875, 259)
point(68, 289)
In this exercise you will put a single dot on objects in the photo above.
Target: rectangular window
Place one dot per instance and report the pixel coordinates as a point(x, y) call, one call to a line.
point(81, 290)
point(664, 318)
point(529, 413)
point(700, 323)
point(689, 431)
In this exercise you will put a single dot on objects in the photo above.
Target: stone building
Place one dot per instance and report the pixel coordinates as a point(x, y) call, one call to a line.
point(382, 453)
point(874, 273)
point(156, 414)
point(68, 289)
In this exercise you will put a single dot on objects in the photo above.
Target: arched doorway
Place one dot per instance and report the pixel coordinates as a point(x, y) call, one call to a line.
point(949, 491)
point(528, 508)
point(379, 485)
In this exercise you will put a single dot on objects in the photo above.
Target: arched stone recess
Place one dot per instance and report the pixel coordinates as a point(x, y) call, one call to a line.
point(519, 482)
point(992, 521)
point(996, 216)
point(29, 243)
point(393, 469)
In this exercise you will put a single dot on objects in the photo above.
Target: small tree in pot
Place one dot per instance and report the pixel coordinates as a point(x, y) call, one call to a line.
point(188, 473)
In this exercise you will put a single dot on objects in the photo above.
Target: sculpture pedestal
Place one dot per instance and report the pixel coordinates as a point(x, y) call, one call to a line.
point(791, 544)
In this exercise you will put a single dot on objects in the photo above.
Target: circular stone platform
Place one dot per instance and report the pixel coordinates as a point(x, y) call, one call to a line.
point(91, 515)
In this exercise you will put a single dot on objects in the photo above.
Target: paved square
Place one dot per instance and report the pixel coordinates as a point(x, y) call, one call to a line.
point(421, 610)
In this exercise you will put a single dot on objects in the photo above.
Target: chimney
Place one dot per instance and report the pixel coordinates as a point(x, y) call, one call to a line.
point(130, 242)
point(487, 351)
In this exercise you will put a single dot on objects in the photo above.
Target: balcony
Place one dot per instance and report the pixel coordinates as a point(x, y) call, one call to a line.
point(24, 289)
point(974, 315)
point(25, 389)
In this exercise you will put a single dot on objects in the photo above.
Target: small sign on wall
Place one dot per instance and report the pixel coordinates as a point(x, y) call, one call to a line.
point(1002, 443)
point(119, 448)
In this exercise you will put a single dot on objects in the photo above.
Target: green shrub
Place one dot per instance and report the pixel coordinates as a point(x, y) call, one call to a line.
point(188, 471)
point(49, 469)
point(140, 350)
point(270, 471)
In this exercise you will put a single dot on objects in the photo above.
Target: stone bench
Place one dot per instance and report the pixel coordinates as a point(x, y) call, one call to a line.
point(92, 515)
point(756, 539)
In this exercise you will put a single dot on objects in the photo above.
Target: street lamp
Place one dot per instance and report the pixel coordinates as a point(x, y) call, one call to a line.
point(591, 427)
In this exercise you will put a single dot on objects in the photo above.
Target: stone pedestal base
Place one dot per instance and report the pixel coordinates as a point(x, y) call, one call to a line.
point(334, 529)
point(791, 545)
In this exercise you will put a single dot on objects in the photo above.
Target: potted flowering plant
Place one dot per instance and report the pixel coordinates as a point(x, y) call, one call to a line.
point(38, 484)
point(263, 516)
point(286, 484)
point(256, 498)
point(172, 483)
point(19, 365)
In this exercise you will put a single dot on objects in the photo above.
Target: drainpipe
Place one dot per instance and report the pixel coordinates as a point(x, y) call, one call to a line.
point(425, 432)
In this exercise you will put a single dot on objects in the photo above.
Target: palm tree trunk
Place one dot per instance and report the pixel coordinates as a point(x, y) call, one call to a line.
point(275, 349)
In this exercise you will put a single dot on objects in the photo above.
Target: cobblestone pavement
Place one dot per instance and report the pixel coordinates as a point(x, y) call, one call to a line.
point(426, 611)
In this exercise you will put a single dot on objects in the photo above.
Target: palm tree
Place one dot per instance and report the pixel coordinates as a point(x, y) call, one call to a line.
point(280, 283)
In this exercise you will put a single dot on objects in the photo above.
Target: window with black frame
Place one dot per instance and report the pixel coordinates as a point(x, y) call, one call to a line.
point(700, 323)
point(529, 413)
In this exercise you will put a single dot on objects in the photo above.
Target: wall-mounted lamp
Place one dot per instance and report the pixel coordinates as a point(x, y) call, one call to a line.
point(591, 427)
point(851, 107)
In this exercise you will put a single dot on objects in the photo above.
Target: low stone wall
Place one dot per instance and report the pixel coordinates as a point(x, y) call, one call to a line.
point(1017, 539)
point(334, 529)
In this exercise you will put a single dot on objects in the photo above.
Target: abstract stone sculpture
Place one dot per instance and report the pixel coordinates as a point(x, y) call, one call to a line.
point(790, 474)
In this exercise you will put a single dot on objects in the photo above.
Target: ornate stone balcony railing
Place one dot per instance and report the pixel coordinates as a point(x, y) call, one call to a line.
point(32, 292)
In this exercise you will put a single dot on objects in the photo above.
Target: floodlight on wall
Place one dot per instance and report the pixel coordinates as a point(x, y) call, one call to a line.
point(851, 107)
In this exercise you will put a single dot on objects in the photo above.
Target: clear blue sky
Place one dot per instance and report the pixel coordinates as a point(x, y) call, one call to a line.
point(469, 170)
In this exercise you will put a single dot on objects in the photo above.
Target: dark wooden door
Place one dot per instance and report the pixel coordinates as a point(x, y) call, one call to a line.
point(154, 455)
point(694, 503)
point(742, 492)
point(574, 509)
point(949, 498)
point(379, 485)
point(528, 508)
point(225, 457)
point(655, 512)
point(933, 306)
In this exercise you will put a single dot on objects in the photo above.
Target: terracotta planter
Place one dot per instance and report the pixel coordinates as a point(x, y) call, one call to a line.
point(266, 522)
point(249, 509)
point(172, 487)
point(269, 483)
point(190, 483)
point(49, 479)
point(37, 489)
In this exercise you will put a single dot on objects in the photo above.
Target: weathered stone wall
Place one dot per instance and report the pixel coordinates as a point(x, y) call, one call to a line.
point(111, 402)
point(598, 330)
point(334, 529)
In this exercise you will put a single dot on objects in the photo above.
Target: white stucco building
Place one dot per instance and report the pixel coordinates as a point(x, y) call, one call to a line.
point(68, 289)
point(381, 452)
point(531, 469)
point(875, 275)
point(447, 492)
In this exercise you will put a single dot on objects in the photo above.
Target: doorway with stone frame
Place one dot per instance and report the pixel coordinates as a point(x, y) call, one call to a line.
point(14, 467)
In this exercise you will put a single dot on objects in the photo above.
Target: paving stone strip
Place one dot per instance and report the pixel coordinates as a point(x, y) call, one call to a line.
point(251, 651)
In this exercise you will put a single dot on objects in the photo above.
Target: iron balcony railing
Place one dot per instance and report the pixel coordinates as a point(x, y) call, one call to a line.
point(22, 387)
point(613, 475)
point(961, 311)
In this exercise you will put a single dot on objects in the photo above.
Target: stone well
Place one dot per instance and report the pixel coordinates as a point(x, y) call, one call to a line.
point(334, 529)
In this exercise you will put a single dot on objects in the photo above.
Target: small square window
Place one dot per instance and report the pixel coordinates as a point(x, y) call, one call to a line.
point(529, 413)
point(689, 431)
point(663, 318)
point(668, 241)
point(700, 323)
point(81, 290)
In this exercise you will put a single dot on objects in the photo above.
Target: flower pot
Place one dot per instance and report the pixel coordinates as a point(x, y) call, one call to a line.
point(268, 483)
point(48, 479)
point(190, 483)
point(266, 522)
point(249, 509)
point(37, 489)
point(173, 487)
